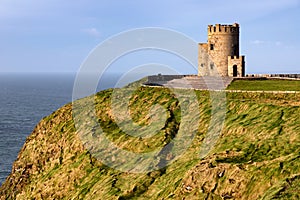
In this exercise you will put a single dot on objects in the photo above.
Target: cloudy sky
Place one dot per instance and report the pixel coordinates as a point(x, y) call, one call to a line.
point(56, 36)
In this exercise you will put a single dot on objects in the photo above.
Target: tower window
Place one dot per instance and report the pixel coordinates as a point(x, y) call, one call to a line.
point(211, 46)
point(211, 66)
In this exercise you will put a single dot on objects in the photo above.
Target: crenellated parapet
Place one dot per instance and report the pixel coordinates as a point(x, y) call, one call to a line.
point(219, 28)
point(236, 57)
point(236, 66)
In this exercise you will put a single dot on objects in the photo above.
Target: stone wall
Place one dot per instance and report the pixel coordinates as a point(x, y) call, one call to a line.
point(284, 76)
point(223, 42)
point(155, 78)
point(236, 66)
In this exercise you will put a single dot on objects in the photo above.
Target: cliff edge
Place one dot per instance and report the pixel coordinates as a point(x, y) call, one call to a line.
point(256, 156)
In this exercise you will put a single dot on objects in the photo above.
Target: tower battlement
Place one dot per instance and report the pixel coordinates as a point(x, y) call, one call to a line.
point(223, 48)
point(219, 28)
point(236, 57)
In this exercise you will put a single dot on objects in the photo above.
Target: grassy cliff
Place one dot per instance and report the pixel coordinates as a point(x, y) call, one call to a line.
point(265, 85)
point(256, 157)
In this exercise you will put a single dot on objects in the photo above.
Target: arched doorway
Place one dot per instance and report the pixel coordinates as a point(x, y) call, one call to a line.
point(235, 73)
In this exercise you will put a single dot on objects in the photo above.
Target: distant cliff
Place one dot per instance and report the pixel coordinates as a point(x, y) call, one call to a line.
point(256, 157)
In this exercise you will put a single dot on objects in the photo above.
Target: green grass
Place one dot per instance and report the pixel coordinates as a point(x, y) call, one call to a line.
point(257, 151)
point(265, 85)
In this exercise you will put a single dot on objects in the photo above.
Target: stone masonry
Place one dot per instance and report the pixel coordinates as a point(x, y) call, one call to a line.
point(220, 55)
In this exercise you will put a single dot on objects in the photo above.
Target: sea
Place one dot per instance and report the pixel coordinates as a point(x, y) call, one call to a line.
point(25, 98)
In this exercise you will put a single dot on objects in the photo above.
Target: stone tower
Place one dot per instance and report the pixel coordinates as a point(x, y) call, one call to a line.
point(222, 48)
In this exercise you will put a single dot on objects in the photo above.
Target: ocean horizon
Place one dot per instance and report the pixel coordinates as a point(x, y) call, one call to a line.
point(25, 98)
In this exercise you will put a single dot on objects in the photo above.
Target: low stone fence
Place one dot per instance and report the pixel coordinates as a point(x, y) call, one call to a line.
point(263, 91)
point(274, 76)
point(159, 77)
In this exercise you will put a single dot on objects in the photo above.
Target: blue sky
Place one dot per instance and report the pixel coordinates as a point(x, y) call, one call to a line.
point(56, 36)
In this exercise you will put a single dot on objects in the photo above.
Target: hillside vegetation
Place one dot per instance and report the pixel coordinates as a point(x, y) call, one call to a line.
point(265, 85)
point(256, 156)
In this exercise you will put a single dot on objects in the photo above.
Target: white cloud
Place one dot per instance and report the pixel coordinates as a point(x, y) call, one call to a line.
point(270, 43)
point(91, 31)
point(258, 42)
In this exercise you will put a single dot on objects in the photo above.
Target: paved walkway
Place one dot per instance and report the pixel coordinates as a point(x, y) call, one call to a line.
point(205, 84)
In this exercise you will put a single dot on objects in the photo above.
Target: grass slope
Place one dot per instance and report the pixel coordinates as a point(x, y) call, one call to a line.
point(265, 85)
point(256, 157)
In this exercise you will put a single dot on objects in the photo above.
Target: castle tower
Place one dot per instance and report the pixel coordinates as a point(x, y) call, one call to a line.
point(223, 49)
